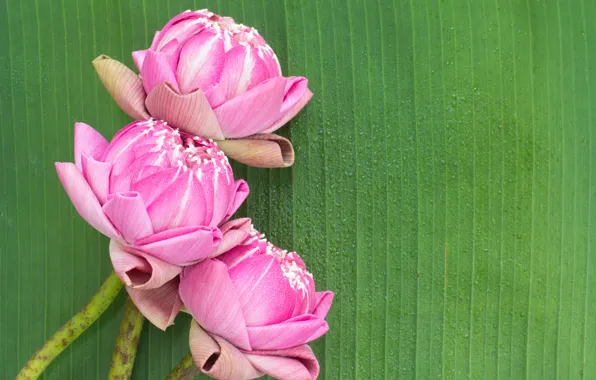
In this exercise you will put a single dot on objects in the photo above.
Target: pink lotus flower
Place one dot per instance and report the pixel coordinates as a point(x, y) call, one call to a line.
point(162, 197)
point(212, 77)
point(255, 308)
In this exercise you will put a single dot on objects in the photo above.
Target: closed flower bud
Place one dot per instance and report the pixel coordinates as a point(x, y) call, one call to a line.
point(231, 64)
point(258, 302)
point(162, 197)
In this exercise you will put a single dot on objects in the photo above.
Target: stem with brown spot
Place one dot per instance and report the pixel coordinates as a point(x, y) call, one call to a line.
point(125, 351)
point(184, 370)
point(72, 329)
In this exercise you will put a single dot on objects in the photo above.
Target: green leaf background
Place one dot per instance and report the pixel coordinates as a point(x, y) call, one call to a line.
point(443, 185)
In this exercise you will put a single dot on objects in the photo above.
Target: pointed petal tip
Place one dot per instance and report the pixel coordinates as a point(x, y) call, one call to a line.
point(99, 58)
point(124, 85)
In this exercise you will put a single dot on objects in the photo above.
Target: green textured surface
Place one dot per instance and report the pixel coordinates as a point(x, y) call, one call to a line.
point(443, 185)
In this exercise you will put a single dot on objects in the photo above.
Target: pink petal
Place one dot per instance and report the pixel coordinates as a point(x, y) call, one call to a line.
point(323, 302)
point(239, 253)
point(217, 358)
point(180, 27)
point(181, 246)
point(234, 233)
point(181, 204)
point(87, 140)
point(153, 185)
point(253, 111)
point(161, 305)
point(208, 292)
point(127, 213)
point(296, 88)
point(140, 270)
point(293, 332)
point(216, 96)
point(219, 191)
point(201, 62)
point(272, 63)
point(240, 193)
point(97, 175)
point(121, 143)
point(157, 70)
point(296, 97)
point(243, 70)
point(156, 38)
point(265, 293)
point(191, 113)
point(83, 199)
point(138, 57)
point(172, 51)
point(297, 363)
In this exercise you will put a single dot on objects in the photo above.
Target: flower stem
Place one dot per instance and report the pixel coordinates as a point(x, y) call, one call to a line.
point(184, 370)
point(72, 329)
point(125, 351)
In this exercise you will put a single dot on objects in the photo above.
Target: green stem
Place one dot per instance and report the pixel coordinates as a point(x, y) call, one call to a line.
point(72, 329)
point(184, 370)
point(125, 351)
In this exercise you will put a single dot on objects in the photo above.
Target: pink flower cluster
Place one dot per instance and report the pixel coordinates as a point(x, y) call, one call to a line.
point(164, 193)
point(209, 76)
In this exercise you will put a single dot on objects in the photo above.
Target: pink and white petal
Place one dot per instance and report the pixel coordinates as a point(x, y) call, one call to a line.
point(304, 365)
point(180, 27)
point(191, 113)
point(323, 301)
point(138, 57)
point(181, 204)
point(201, 61)
point(87, 140)
point(97, 175)
point(293, 332)
point(272, 62)
point(127, 213)
point(139, 270)
point(254, 111)
point(123, 84)
point(181, 246)
point(156, 70)
point(296, 98)
point(217, 358)
point(172, 51)
point(161, 305)
point(234, 233)
point(209, 294)
point(259, 72)
point(219, 193)
point(240, 193)
point(234, 76)
point(243, 70)
point(83, 199)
